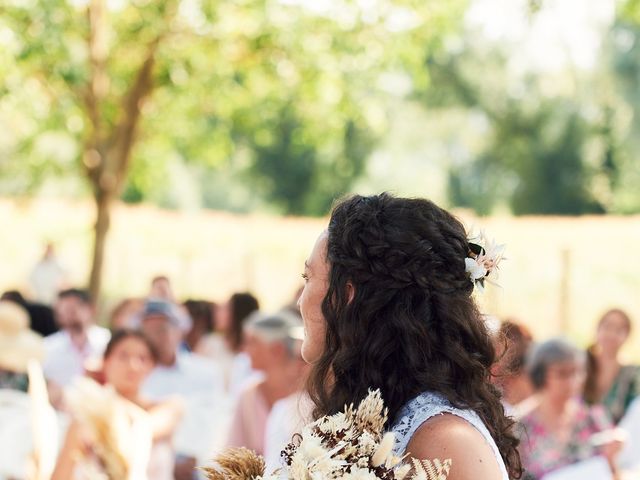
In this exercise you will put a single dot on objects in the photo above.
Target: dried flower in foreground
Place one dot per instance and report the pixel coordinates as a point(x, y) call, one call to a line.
point(349, 445)
point(117, 432)
point(431, 469)
point(236, 464)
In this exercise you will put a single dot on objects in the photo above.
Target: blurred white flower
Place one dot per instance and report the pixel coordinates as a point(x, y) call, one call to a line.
point(475, 270)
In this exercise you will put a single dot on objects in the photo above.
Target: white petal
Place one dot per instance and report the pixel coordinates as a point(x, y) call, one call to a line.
point(384, 449)
point(475, 270)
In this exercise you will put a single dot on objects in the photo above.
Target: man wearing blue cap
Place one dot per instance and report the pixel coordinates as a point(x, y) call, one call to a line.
point(177, 372)
point(198, 381)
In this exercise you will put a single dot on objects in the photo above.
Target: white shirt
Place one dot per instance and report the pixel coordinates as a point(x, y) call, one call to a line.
point(63, 361)
point(236, 367)
point(16, 441)
point(242, 375)
point(191, 375)
point(629, 457)
point(199, 383)
point(287, 417)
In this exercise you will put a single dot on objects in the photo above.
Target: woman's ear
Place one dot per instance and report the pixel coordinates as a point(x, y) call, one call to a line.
point(351, 292)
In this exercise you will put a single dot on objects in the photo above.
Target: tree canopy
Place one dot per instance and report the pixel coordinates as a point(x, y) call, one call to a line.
point(280, 104)
point(285, 97)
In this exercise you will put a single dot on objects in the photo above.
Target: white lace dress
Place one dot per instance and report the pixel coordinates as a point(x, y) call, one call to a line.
point(427, 405)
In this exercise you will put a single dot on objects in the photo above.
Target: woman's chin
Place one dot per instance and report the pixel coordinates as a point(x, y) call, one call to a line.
point(309, 352)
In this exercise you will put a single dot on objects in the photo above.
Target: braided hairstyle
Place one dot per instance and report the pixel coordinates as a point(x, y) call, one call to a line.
point(409, 324)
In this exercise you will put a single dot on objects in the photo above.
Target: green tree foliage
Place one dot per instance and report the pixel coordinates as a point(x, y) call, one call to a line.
point(543, 154)
point(286, 94)
point(630, 11)
point(224, 75)
point(623, 119)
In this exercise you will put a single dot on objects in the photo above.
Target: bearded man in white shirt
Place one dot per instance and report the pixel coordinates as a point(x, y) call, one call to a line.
point(78, 343)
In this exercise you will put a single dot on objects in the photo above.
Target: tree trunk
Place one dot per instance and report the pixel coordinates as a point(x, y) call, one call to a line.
point(103, 220)
point(108, 151)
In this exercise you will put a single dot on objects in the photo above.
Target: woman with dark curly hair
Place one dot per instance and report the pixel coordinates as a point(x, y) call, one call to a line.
point(388, 304)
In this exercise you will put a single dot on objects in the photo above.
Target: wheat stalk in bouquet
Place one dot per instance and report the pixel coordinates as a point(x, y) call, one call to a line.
point(349, 445)
point(118, 431)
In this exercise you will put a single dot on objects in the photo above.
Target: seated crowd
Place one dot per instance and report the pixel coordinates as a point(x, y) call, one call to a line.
point(182, 381)
point(575, 409)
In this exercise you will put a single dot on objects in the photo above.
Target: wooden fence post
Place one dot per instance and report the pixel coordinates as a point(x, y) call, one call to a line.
point(565, 291)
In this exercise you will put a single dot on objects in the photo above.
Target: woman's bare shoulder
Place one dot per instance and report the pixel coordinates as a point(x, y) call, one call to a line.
point(448, 436)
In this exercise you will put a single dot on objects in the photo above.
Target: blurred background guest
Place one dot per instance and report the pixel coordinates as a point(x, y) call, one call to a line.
point(197, 381)
point(161, 289)
point(79, 342)
point(128, 359)
point(225, 344)
point(558, 431)
point(273, 347)
point(629, 458)
point(286, 419)
point(202, 317)
point(512, 342)
point(289, 415)
point(47, 277)
point(177, 372)
point(609, 382)
point(126, 313)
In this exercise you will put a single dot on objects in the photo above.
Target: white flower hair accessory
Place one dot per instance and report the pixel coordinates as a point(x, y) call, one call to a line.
point(483, 260)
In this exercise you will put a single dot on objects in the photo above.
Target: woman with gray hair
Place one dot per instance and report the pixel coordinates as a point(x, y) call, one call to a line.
point(273, 345)
point(559, 430)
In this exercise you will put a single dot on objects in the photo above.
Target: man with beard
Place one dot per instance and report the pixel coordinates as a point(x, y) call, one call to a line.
point(79, 341)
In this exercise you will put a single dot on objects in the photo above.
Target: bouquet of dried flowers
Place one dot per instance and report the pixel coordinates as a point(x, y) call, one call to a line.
point(348, 445)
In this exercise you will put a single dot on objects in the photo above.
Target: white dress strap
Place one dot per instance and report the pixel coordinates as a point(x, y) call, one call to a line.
point(427, 405)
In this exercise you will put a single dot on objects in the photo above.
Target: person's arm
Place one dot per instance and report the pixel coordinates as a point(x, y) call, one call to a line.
point(450, 437)
point(165, 417)
point(68, 454)
point(633, 391)
point(602, 424)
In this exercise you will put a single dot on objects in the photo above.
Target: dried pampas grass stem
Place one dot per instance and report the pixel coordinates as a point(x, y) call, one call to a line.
point(236, 464)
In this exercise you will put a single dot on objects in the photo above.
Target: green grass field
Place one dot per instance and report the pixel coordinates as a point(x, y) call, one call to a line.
point(211, 254)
